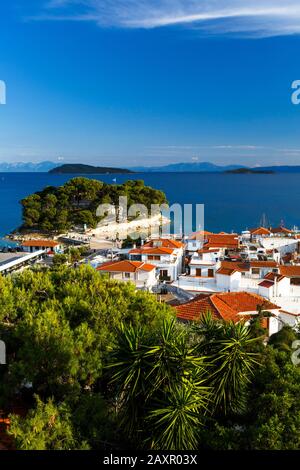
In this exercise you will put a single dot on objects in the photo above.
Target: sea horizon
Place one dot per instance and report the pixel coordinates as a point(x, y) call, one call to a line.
point(232, 202)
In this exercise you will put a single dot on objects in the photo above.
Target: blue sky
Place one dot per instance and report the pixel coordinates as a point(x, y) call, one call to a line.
point(130, 83)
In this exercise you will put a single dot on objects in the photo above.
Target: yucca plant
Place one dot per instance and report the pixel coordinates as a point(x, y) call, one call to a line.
point(232, 367)
point(176, 421)
point(129, 377)
point(148, 372)
point(228, 346)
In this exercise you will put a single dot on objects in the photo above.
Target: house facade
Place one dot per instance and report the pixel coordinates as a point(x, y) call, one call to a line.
point(166, 255)
point(141, 274)
point(30, 246)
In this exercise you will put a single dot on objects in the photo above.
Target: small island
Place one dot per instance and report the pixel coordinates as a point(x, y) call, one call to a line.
point(251, 171)
point(78, 168)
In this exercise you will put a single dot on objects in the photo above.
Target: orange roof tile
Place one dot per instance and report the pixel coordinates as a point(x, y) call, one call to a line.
point(46, 243)
point(196, 307)
point(126, 266)
point(208, 250)
point(266, 284)
point(226, 271)
point(236, 266)
point(222, 241)
point(290, 271)
point(226, 305)
point(260, 231)
point(273, 276)
point(263, 264)
point(163, 243)
point(281, 230)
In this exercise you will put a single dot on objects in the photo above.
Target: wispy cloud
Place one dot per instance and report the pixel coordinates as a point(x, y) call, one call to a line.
point(257, 18)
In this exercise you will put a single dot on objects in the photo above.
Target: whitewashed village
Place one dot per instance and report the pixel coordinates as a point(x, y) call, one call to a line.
point(230, 275)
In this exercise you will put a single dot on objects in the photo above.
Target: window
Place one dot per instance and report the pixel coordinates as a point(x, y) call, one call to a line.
point(153, 258)
point(164, 275)
point(198, 272)
point(210, 273)
point(127, 275)
point(255, 270)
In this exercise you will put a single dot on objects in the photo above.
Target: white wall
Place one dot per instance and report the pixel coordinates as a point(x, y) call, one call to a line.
point(194, 245)
point(274, 325)
point(231, 283)
point(140, 278)
point(290, 320)
point(283, 245)
point(265, 292)
point(204, 270)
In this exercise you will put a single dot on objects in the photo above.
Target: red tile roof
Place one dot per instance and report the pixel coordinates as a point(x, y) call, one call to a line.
point(226, 271)
point(125, 266)
point(290, 271)
point(235, 266)
point(273, 276)
point(266, 284)
point(280, 230)
point(263, 264)
point(222, 241)
point(208, 250)
point(40, 243)
point(260, 231)
point(193, 309)
point(227, 306)
point(163, 243)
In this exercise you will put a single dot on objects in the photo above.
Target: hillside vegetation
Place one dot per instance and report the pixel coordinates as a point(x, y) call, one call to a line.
point(93, 364)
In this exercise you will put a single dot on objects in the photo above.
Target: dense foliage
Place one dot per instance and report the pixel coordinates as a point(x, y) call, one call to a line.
point(96, 365)
point(57, 209)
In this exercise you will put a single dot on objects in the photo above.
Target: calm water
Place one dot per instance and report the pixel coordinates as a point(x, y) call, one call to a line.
point(232, 202)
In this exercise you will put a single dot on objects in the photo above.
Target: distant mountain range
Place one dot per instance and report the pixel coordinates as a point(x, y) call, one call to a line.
point(206, 167)
point(29, 167)
point(201, 167)
point(181, 167)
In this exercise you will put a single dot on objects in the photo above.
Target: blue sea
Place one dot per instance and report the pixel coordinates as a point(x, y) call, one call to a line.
point(232, 202)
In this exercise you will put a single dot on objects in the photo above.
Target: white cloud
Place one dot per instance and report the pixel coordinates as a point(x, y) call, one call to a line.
point(256, 18)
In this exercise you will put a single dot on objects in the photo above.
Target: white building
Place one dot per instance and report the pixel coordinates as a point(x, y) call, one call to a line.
point(283, 245)
point(274, 285)
point(165, 254)
point(31, 246)
point(141, 274)
point(195, 241)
